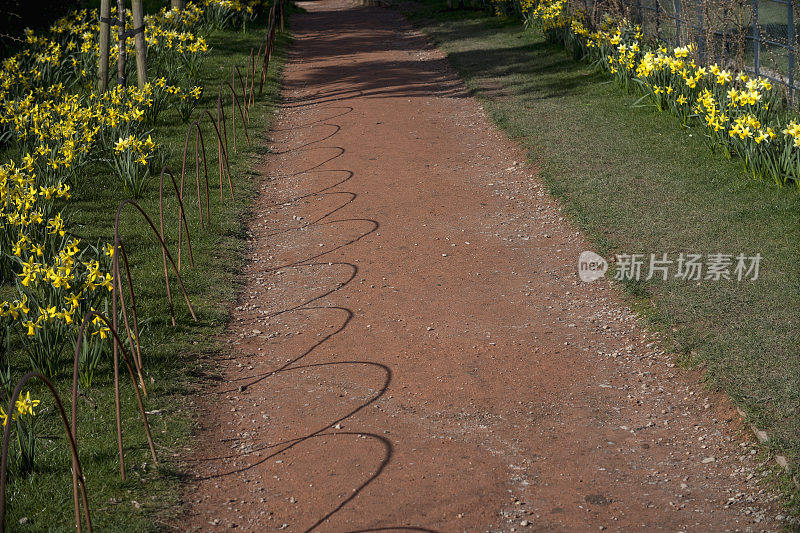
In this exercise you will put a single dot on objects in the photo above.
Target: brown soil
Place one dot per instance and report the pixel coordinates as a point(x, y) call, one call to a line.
point(413, 350)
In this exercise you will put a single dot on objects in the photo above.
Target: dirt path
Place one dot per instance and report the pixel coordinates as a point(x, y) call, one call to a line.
point(413, 349)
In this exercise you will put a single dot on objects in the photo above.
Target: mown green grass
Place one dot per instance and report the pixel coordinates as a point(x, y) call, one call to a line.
point(637, 182)
point(177, 358)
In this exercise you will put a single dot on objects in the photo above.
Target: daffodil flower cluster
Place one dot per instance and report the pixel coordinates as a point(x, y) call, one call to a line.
point(63, 133)
point(223, 13)
point(52, 116)
point(140, 149)
point(132, 161)
point(174, 51)
point(22, 407)
point(47, 103)
point(55, 294)
point(553, 15)
point(25, 416)
point(29, 221)
point(187, 100)
point(55, 285)
point(742, 115)
point(70, 51)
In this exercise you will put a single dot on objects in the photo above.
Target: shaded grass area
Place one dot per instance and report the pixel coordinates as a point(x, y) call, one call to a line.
point(638, 182)
point(176, 359)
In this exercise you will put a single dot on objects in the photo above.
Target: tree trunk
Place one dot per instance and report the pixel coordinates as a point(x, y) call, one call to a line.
point(177, 4)
point(103, 40)
point(121, 43)
point(140, 43)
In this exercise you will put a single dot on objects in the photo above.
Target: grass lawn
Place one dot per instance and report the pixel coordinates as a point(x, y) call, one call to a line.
point(637, 182)
point(175, 358)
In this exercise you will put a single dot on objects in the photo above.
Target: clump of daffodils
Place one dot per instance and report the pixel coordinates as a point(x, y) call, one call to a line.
point(24, 416)
point(140, 148)
point(553, 15)
point(188, 99)
point(132, 160)
point(24, 406)
point(54, 119)
point(740, 114)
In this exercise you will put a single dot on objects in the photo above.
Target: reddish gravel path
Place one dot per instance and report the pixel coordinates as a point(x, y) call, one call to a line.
point(413, 351)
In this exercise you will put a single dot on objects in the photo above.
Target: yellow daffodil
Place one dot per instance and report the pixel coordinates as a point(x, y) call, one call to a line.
point(25, 405)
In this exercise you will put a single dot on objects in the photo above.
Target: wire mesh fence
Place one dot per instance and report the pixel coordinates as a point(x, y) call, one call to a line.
point(757, 36)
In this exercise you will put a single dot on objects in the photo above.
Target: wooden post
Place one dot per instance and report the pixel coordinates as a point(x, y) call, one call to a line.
point(103, 40)
point(756, 40)
point(140, 43)
point(791, 29)
point(121, 44)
